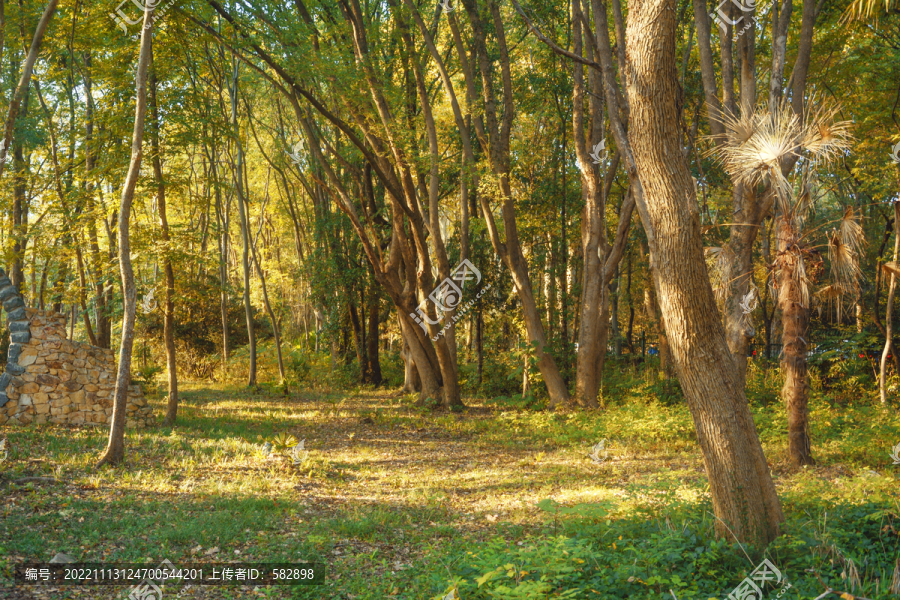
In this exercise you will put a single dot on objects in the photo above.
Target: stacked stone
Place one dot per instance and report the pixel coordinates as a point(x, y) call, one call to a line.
point(51, 379)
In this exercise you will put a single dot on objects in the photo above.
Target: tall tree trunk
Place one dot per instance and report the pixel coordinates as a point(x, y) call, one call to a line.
point(223, 209)
point(19, 216)
point(104, 323)
point(888, 317)
point(743, 494)
point(795, 319)
point(25, 80)
point(243, 211)
point(169, 318)
point(115, 449)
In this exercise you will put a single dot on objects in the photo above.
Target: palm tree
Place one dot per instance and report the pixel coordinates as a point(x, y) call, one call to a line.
point(759, 148)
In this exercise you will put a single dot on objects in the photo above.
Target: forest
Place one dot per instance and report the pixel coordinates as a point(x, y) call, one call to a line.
point(449, 299)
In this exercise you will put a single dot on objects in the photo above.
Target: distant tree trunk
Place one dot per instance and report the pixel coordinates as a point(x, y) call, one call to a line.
point(359, 340)
point(169, 318)
point(614, 288)
point(104, 323)
point(479, 346)
point(223, 222)
point(888, 318)
point(375, 377)
point(115, 449)
point(243, 211)
point(411, 381)
point(255, 257)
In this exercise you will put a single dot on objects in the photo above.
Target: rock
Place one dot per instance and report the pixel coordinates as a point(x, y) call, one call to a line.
point(17, 314)
point(13, 302)
point(29, 388)
point(3, 398)
point(17, 326)
point(43, 380)
point(5, 379)
point(14, 351)
point(8, 289)
point(20, 337)
point(14, 369)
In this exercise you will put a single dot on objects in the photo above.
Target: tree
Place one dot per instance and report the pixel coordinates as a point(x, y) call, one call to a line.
point(743, 494)
point(169, 308)
point(115, 448)
point(757, 151)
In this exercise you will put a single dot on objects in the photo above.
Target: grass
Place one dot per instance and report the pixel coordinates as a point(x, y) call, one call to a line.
point(399, 503)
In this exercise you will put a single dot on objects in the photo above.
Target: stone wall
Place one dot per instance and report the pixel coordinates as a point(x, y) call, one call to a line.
point(51, 379)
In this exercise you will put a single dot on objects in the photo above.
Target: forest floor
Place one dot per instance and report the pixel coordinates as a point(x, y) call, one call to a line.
point(399, 503)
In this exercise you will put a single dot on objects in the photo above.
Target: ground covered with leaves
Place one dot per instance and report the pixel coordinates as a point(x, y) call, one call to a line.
point(491, 502)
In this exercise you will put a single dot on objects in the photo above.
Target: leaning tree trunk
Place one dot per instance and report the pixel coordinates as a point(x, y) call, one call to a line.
point(743, 494)
point(795, 319)
point(115, 449)
point(24, 80)
point(169, 316)
point(888, 318)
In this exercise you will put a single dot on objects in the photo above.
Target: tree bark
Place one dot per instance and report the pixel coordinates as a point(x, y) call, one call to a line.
point(169, 315)
point(243, 212)
point(743, 494)
point(115, 449)
point(888, 317)
point(374, 376)
point(795, 320)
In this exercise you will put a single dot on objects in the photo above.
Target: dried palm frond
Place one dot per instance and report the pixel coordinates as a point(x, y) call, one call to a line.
point(867, 9)
point(824, 137)
point(800, 204)
point(832, 296)
point(717, 267)
point(844, 260)
point(800, 278)
point(851, 231)
point(759, 157)
point(757, 144)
